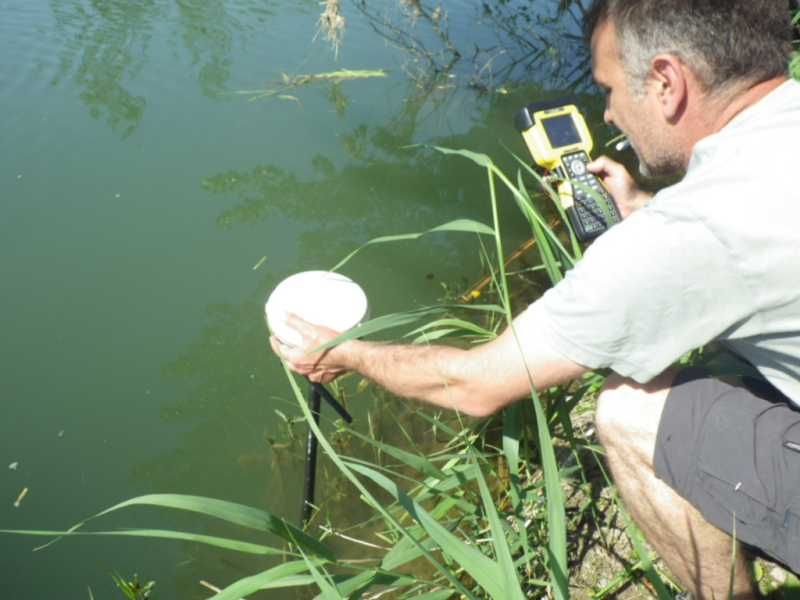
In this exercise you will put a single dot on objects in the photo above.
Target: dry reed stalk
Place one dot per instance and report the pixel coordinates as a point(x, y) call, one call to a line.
point(331, 24)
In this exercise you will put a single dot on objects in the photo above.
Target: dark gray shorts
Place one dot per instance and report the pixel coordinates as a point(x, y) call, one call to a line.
point(733, 451)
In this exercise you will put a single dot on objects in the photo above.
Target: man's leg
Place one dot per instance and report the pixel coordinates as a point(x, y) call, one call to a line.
point(696, 552)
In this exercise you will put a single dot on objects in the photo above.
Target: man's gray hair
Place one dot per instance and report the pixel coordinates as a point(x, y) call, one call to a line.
point(723, 42)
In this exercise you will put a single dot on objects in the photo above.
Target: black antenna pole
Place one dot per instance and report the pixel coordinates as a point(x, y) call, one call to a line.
point(316, 391)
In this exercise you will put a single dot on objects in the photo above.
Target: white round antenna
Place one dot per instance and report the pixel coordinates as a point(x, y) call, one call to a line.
point(322, 298)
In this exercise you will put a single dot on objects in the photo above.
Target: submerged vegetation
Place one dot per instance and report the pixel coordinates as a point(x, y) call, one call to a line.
point(289, 82)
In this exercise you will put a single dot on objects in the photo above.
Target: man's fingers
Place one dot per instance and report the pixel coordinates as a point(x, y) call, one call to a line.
point(295, 322)
point(603, 164)
point(274, 345)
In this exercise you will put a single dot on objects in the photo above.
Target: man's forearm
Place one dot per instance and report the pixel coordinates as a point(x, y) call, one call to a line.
point(441, 375)
point(478, 381)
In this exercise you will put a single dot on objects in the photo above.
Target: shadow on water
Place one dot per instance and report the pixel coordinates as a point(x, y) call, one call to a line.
point(107, 43)
point(107, 46)
point(509, 41)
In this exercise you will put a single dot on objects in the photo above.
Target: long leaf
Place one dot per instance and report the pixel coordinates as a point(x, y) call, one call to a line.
point(352, 586)
point(323, 580)
point(556, 518)
point(556, 200)
point(415, 461)
point(457, 324)
point(238, 514)
point(511, 588)
point(226, 543)
point(479, 566)
point(404, 552)
point(281, 576)
point(551, 264)
point(512, 431)
point(526, 208)
point(459, 225)
point(437, 595)
point(400, 319)
point(644, 555)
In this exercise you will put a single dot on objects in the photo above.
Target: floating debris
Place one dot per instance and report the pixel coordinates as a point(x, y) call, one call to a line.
point(289, 82)
point(117, 195)
point(61, 433)
point(21, 497)
point(290, 97)
point(259, 263)
point(14, 466)
point(331, 24)
point(210, 586)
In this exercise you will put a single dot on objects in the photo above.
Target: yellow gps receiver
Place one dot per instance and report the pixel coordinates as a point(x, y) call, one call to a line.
point(559, 140)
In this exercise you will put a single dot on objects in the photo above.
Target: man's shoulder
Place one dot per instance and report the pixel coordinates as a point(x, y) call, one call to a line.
point(766, 131)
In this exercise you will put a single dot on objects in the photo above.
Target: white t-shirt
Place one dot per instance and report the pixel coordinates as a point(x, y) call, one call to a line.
point(714, 257)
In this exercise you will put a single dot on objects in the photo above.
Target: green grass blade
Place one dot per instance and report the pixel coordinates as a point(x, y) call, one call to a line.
point(403, 552)
point(281, 576)
point(549, 260)
point(437, 423)
point(354, 586)
point(644, 556)
point(734, 546)
point(524, 205)
point(554, 198)
point(457, 324)
point(437, 595)
point(556, 518)
point(219, 542)
point(323, 580)
point(384, 322)
point(432, 335)
point(238, 514)
point(512, 432)
point(481, 568)
point(511, 588)
point(459, 225)
point(394, 320)
point(415, 461)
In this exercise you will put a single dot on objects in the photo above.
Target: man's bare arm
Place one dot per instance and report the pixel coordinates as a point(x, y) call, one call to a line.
point(478, 381)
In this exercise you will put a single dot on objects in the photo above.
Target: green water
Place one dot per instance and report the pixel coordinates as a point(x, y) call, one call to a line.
point(139, 196)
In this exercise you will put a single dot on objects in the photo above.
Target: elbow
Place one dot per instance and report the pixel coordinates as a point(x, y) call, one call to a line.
point(477, 403)
point(481, 410)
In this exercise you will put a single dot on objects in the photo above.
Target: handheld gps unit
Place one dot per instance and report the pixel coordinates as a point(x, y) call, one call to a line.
point(559, 140)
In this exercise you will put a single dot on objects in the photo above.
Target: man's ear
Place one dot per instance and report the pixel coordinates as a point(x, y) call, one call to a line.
point(668, 77)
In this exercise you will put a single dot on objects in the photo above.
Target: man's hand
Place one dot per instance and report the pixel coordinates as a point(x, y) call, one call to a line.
point(620, 185)
point(319, 367)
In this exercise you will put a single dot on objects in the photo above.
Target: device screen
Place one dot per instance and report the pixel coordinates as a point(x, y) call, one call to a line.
point(561, 131)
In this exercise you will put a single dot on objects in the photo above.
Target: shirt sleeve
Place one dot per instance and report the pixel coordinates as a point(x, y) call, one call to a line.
point(646, 292)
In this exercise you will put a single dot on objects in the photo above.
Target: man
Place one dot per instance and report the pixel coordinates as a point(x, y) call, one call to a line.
point(699, 87)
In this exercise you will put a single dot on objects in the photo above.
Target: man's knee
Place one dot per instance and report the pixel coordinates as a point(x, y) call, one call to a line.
point(628, 413)
point(613, 412)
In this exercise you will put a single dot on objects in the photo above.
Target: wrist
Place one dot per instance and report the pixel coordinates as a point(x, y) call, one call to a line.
point(347, 355)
